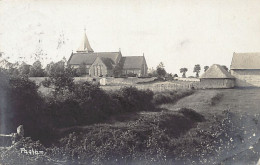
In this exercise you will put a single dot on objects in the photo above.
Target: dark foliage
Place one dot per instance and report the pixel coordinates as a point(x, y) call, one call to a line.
point(61, 77)
point(191, 114)
point(82, 70)
point(132, 100)
point(36, 70)
point(131, 75)
point(214, 100)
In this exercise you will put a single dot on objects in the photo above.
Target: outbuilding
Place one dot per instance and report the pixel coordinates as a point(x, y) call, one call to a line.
point(245, 67)
point(217, 77)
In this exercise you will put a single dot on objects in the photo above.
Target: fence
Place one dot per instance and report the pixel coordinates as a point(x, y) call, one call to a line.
point(5, 140)
point(159, 87)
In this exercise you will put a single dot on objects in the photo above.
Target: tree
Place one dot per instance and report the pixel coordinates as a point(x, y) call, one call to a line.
point(117, 71)
point(160, 70)
point(48, 68)
point(152, 72)
point(197, 70)
point(225, 67)
point(82, 70)
point(206, 68)
point(60, 77)
point(36, 70)
point(24, 69)
point(183, 71)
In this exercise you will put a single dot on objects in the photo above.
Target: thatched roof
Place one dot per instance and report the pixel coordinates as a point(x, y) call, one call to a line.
point(216, 72)
point(245, 61)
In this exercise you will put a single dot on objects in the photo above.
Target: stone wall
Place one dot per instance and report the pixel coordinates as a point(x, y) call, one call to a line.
point(246, 78)
point(217, 83)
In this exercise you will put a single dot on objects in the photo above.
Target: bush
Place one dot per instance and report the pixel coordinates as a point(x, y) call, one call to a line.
point(214, 100)
point(170, 96)
point(191, 114)
point(46, 83)
point(133, 100)
point(131, 75)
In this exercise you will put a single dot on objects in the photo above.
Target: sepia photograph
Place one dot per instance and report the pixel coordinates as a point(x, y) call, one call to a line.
point(129, 82)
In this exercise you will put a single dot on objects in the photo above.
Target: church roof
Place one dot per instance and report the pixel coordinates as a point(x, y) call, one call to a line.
point(245, 61)
point(85, 46)
point(216, 72)
point(108, 62)
point(133, 62)
point(89, 58)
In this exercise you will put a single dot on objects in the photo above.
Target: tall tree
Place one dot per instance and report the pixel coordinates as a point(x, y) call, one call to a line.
point(160, 70)
point(197, 70)
point(61, 77)
point(183, 71)
point(24, 69)
point(36, 70)
point(206, 68)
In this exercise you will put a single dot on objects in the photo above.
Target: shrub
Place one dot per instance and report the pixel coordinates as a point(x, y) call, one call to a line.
point(131, 75)
point(132, 100)
point(191, 114)
point(170, 96)
point(214, 100)
point(46, 83)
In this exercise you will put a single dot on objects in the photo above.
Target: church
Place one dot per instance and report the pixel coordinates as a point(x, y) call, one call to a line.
point(104, 63)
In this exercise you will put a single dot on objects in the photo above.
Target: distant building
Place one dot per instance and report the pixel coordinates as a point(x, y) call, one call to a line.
point(103, 63)
point(245, 67)
point(217, 77)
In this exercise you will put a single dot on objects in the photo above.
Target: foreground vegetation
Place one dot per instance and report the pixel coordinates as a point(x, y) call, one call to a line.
point(79, 123)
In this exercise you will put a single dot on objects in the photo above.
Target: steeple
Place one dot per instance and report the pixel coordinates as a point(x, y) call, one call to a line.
point(85, 46)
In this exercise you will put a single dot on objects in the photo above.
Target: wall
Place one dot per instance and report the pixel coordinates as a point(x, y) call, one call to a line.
point(246, 78)
point(134, 71)
point(217, 83)
point(186, 79)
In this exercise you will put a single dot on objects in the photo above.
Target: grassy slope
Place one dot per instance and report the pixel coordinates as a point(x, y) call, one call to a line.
point(245, 104)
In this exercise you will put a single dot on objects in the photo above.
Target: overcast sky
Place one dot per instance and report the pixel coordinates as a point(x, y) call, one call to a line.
point(180, 33)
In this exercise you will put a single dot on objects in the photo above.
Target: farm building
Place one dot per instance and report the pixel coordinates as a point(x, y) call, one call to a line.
point(245, 67)
point(217, 77)
point(103, 63)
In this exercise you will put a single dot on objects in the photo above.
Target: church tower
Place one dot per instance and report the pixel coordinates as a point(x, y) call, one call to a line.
point(85, 46)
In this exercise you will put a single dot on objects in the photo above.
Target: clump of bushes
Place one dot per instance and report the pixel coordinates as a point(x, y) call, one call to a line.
point(133, 100)
point(214, 100)
point(191, 114)
point(170, 96)
point(152, 139)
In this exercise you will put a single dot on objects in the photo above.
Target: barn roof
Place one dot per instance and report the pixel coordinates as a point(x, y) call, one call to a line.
point(245, 61)
point(89, 58)
point(216, 72)
point(133, 62)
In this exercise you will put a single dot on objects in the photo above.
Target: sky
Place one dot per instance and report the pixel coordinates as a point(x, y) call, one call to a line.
point(179, 33)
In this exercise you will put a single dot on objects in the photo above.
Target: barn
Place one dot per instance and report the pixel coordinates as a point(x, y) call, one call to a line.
point(217, 77)
point(245, 67)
